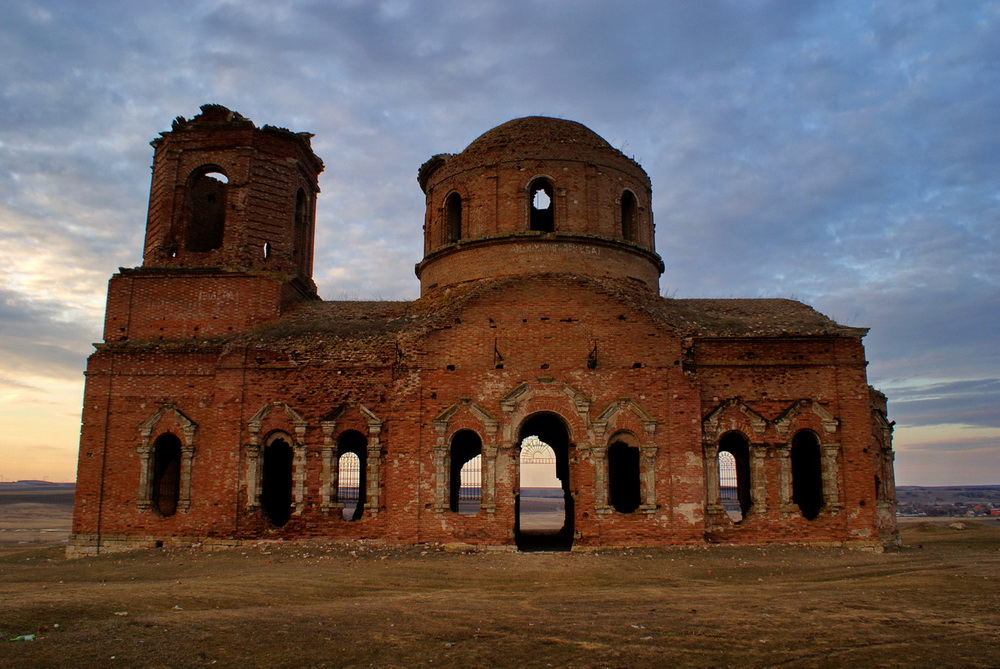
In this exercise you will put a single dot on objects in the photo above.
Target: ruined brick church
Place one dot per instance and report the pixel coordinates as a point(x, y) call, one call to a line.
point(229, 403)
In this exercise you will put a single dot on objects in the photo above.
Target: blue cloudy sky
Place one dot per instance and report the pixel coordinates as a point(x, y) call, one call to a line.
point(842, 152)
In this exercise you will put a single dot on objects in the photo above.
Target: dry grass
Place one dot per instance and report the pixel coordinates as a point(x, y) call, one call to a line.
point(292, 605)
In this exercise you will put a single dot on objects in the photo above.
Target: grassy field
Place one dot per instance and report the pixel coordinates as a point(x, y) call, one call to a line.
point(935, 603)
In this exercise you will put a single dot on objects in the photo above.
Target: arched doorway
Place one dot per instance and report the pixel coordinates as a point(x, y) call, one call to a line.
point(276, 481)
point(352, 474)
point(807, 474)
point(544, 504)
point(166, 484)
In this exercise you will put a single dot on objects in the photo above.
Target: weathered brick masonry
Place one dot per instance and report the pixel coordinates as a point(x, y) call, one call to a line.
point(227, 402)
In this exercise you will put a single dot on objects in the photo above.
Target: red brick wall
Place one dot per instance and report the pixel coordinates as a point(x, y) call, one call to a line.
point(545, 333)
point(182, 355)
point(181, 305)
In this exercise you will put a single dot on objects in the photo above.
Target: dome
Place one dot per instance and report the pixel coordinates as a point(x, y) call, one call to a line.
point(531, 138)
point(537, 195)
point(521, 137)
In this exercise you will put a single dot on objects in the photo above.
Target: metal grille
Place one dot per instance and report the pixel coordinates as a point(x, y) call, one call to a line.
point(727, 482)
point(349, 477)
point(470, 480)
point(534, 451)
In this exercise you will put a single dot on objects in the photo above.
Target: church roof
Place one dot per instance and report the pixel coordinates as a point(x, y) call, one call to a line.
point(383, 324)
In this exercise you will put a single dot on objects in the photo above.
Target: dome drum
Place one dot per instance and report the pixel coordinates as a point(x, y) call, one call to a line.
point(546, 189)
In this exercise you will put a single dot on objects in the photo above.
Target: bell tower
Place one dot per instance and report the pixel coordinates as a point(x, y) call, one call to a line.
point(226, 194)
point(229, 233)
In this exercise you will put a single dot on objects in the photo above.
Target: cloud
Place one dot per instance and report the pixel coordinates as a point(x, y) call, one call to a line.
point(841, 153)
point(970, 402)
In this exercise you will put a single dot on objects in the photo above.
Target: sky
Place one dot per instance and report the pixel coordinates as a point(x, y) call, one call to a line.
point(845, 153)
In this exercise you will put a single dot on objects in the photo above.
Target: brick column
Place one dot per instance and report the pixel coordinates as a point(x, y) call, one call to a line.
point(253, 476)
point(785, 504)
point(647, 473)
point(187, 462)
point(145, 495)
point(758, 477)
point(713, 503)
point(831, 477)
point(488, 484)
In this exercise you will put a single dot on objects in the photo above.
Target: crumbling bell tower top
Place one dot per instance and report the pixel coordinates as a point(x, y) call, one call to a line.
point(537, 195)
point(231, 196)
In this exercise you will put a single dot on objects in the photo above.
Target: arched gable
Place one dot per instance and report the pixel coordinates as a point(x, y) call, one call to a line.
point(286, 419)
point(545, 395)
point(168, 418)
point(732, 415)
point(805, 413)
point(621, 415)
point(474, 414)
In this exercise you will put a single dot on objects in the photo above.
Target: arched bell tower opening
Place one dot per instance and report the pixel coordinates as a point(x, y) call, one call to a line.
point(544, 521)
point(205, 226)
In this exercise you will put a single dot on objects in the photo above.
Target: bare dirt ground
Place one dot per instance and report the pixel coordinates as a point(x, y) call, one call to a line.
point(935, 603)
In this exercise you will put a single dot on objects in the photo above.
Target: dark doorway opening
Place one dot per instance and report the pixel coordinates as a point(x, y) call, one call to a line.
point(166, 474)
point(807, 474)
point(276, 482)
point(623, 477)
point(550, 431)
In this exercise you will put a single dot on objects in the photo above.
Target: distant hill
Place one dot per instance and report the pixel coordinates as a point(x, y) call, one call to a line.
point(32, 484)
point(36, 492)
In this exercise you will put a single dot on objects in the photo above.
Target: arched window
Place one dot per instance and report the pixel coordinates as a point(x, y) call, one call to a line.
point(541, 206)
point(352, 461)
point(734, 475)
point(166, 484)
point(206, 209)
point(465, 491)
point(276, 481)
point(807, 474)
point(629, 228)
point(300, 231)
point(453, 218)
point(623, 476)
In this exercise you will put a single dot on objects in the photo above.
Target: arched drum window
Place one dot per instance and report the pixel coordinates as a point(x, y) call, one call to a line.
point(541, 206)
point(453, 218)
point(629, 227)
